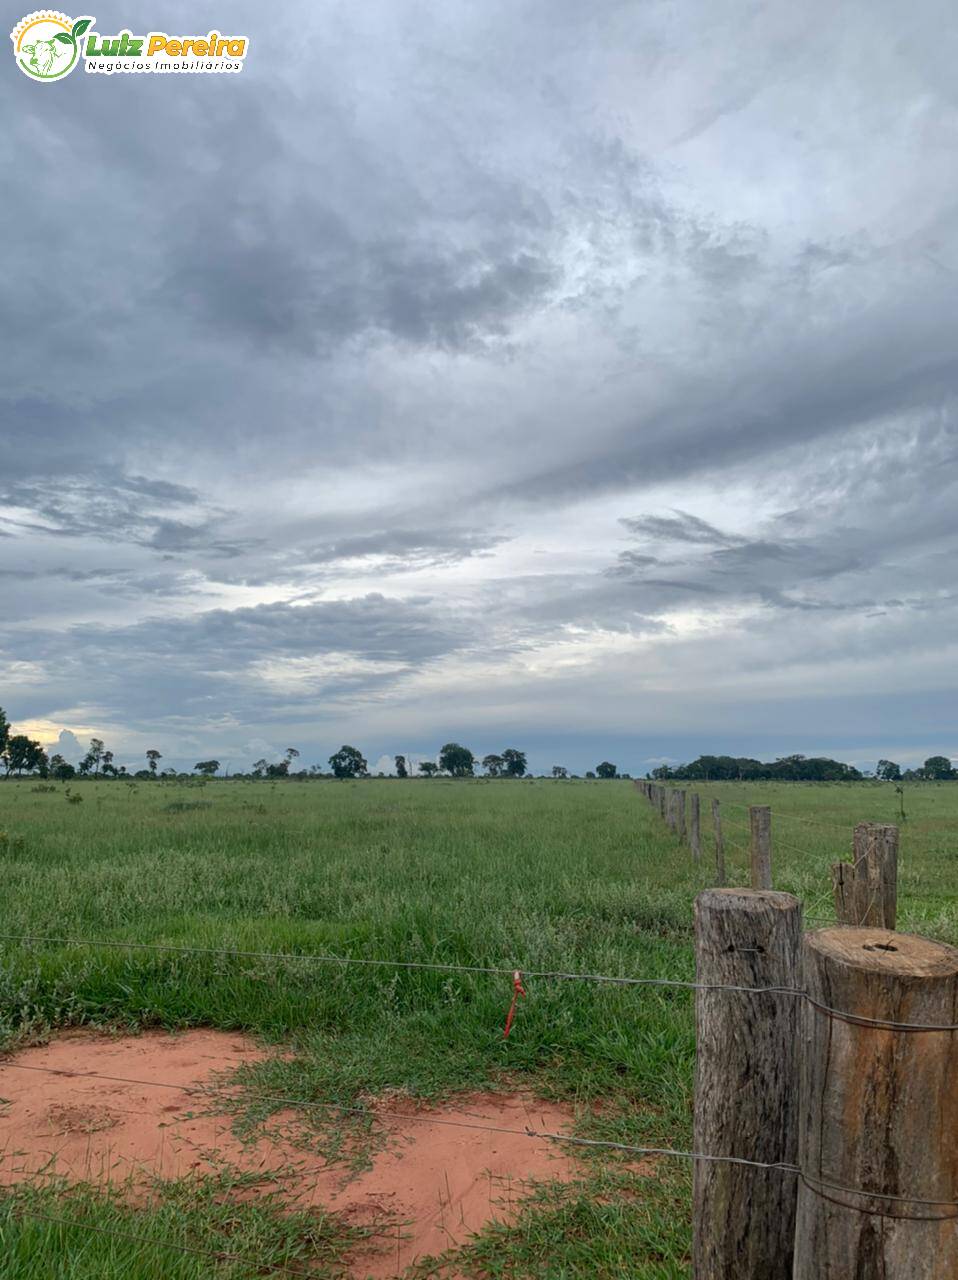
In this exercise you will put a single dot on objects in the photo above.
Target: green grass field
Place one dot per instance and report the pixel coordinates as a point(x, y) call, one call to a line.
point(570, 876)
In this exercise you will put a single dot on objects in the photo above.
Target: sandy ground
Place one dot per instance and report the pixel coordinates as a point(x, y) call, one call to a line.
point(430, 1188)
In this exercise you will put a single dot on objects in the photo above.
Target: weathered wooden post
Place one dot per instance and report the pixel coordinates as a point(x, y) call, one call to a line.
point(719, 844)
point(670, 807)
point(745, 1084)
point(680, 815)
point(760, 822)
point(695, 842)
point(663, 803)
point(866, 889)
point(878, 1109)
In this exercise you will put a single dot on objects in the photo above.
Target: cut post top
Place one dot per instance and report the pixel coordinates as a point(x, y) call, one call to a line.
point(884, 951)
point(734, 899)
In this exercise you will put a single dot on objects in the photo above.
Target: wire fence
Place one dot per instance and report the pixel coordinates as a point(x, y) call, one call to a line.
point(512, 971)
point(740, 828)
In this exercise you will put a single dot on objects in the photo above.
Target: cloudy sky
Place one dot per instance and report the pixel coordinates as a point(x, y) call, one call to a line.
point(578, 377)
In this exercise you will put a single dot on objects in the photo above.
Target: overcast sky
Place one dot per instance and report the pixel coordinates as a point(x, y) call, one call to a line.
point(572, 376)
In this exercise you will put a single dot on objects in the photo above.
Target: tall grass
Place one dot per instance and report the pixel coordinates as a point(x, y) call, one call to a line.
point(570, 876)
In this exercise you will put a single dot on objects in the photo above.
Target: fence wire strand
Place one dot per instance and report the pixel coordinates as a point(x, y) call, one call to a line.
point(845, 1015)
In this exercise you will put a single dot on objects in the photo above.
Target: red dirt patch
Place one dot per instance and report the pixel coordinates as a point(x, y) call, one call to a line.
point(429, 1189)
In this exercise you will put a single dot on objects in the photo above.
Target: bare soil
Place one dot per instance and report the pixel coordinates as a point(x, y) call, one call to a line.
point(431, 1186)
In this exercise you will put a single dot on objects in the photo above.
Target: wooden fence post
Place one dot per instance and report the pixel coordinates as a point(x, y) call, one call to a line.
point(878, 1109)
point(663, 803)
point(671, 801)
point(680, 815)
point(695, 840)
point(719, 844)
point(760, 822)
point(745, 1084)
point(866, 889)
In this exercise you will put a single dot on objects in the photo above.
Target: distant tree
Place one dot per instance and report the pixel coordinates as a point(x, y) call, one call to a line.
point(206, 767)
point(493, 765)
point(91, 761)
point(60, 769)
point(259, 768)
point(938, 768)
point(606, 769)
point(153, 756)
point(108, 767)
point(589, 773)
point(559, 771)
point(278, 770)
point(401, 770)
point(291, 755)
point(143, 775)
point(24, 754)
point(888, 771)
point(429, 768)
point(515, 763)
point(457, 761)
point(4, 731)
point(348, 763)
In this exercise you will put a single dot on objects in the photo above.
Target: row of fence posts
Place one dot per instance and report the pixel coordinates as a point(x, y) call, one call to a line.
point(808, 1073)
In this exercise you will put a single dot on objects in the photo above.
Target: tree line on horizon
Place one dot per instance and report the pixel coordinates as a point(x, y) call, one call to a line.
point(798, 768)
point(21, 755)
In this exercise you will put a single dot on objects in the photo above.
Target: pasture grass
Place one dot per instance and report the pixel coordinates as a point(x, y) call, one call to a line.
point(191, 1229)
point(570, 876)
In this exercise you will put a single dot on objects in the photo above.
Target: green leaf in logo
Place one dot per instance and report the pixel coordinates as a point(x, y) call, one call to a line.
point(63, 37)
point(81, 25)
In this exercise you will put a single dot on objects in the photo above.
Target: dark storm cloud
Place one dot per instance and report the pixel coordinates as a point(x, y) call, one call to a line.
point(895, 358)
point(331, 287)
point(162, 670)
point(410, 546)
point(103, 503)
point(372, 627)
point(833, 554)
point(681, 527)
